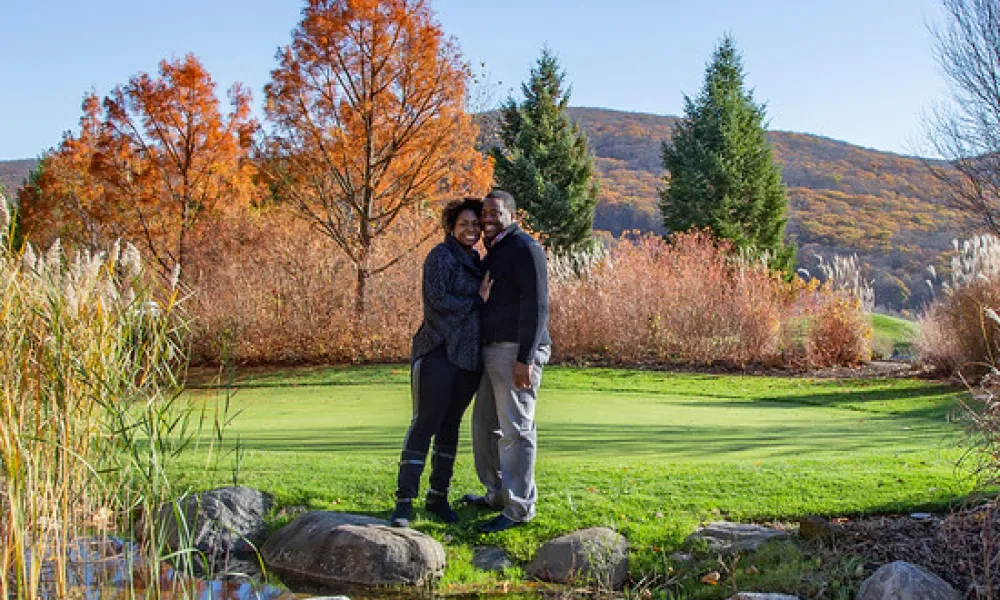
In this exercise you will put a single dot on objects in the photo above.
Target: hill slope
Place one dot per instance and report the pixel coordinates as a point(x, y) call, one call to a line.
point(13, 173)
point(844, 199)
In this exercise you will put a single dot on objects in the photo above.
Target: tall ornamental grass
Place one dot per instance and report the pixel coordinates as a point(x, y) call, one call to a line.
point(89, 410)
point(960, 331)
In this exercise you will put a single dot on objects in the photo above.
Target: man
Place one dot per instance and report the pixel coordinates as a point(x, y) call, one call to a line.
point(516, 346)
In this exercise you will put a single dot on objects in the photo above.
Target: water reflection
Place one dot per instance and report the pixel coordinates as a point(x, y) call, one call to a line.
point(112, 569)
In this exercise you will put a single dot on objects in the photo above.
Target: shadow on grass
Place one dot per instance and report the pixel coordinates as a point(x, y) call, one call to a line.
point(933, 403)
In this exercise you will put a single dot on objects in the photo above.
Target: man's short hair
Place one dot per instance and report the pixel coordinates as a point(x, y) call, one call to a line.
point(449, 215)
point(505, 198)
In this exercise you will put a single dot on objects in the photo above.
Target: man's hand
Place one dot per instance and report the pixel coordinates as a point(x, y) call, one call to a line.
point(522, 376)
point(485, 286)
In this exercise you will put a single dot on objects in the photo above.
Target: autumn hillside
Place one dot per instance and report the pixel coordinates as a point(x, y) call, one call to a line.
point(15, 172)
point(845, 199)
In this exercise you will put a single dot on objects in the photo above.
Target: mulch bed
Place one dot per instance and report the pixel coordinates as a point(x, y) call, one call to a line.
point(962, 547)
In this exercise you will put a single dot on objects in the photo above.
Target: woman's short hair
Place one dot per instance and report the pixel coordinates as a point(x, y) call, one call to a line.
point(449, 216)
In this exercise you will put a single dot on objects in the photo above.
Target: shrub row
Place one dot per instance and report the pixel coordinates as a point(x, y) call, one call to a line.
point(269, 290)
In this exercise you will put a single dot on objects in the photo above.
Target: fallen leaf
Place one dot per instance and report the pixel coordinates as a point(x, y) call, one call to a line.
point(711, 578)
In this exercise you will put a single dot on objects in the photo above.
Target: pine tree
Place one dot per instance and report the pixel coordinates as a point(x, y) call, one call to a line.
point(544, 160)
point(721, 173)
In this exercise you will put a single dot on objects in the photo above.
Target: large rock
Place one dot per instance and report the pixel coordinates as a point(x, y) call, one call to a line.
point(331, 550)
point(597, 554)
point(904, 581)
point(225, 524)
point(725, 537)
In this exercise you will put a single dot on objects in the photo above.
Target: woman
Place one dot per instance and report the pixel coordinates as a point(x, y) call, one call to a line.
point(445, 362)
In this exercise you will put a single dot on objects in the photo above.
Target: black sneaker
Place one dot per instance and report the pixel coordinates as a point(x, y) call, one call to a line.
point(439, 507)
point(479, 502)
point(497, 524)
point(402, 514)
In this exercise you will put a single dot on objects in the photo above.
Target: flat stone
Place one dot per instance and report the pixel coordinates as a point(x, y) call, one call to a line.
point(490, 558)
point(726, 537)
point(761, 596)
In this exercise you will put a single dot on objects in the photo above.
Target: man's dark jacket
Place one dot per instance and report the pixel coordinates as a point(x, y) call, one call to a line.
point(518, 306)
point(452, 303)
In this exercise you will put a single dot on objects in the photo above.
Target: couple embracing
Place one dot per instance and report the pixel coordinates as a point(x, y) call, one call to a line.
point(484, 332)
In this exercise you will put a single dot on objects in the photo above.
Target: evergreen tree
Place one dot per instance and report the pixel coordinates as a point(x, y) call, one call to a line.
point(721, 174)
point(544, 160)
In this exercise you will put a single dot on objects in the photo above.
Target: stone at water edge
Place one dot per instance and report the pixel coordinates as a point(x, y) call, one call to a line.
point(597, 554)
point(324, 549)
point(490, 558)
point(225, 524)
point(904, 581)
point(727, 537)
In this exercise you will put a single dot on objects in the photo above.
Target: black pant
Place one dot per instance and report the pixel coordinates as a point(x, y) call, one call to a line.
point(441, 393)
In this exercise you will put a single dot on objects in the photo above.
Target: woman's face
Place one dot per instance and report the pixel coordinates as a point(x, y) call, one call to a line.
point(467, 228)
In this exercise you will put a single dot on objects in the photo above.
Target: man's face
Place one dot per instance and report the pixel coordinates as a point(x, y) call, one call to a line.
point(496, 218)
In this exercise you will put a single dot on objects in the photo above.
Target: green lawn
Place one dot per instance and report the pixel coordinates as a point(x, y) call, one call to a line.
point(649, 453)
point(893, 335)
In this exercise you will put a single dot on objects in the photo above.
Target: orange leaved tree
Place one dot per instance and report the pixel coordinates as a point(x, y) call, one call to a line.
point(150, 161)
point(66, 198)
point(369, 124)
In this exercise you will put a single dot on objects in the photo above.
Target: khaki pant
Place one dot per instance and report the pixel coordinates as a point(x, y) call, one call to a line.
point(504, 440)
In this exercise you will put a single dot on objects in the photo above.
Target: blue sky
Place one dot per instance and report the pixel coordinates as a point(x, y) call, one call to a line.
point(861, 71)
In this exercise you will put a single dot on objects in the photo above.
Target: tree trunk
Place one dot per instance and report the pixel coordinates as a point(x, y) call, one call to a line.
point(359, 298)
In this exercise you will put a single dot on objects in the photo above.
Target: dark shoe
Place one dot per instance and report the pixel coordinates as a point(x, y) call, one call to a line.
point(402, 514)
point(479, 502)
point(441, 509)
point(497, 524)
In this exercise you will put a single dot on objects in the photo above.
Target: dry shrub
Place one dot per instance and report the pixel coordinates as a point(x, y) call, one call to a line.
point(270, 289)
point(956, 333)
point(838, 332)
point(653, 301)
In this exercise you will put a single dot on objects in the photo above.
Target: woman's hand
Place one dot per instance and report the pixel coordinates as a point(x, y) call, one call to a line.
point(485, 286)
